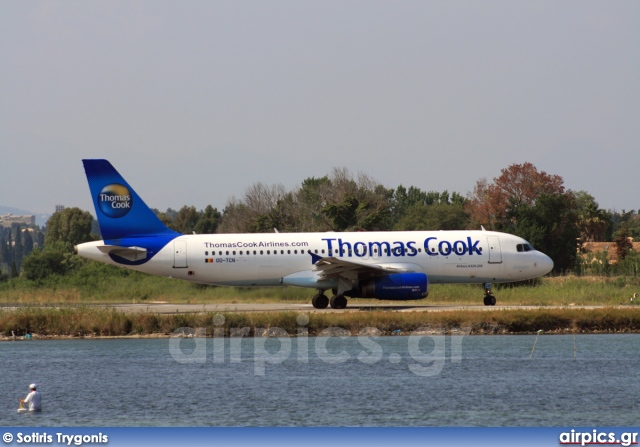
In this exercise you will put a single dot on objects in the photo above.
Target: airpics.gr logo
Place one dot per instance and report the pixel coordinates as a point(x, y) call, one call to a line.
point(115, 200)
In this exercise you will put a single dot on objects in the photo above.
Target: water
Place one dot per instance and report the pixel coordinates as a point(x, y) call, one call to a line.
point(475, 381)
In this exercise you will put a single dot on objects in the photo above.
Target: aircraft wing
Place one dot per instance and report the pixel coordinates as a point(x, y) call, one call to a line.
point(331, 267)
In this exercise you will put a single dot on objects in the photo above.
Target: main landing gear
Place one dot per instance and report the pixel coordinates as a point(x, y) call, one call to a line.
point(338, 302)
point(489, 299)
point(320, 301)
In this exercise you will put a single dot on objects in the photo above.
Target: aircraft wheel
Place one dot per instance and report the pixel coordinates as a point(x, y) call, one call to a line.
point(320, 301)
point(338, 302)
point(489, 300)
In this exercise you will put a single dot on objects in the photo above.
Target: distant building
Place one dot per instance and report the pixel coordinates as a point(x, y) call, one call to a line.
point(6, 220)
point(59, 208)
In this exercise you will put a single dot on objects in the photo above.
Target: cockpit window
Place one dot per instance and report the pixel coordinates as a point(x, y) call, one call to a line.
point(524, 247)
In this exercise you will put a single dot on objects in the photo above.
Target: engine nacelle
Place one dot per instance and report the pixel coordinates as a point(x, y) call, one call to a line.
point(397, 286)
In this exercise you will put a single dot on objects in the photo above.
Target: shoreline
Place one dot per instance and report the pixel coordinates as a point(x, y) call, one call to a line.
point(108, 323)
point(37, 337)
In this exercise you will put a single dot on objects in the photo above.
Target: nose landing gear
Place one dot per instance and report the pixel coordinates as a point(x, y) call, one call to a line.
point(489, 299)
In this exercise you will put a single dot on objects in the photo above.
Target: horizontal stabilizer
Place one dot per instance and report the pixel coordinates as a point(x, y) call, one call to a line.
point(128, 253)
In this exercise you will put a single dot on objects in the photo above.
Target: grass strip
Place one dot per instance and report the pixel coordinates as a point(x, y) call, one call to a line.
point(96, 322)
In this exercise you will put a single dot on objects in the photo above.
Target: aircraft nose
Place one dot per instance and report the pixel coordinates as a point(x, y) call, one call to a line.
point(545, 264)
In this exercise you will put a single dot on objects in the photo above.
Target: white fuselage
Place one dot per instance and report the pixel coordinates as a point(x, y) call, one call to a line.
point(284, 258)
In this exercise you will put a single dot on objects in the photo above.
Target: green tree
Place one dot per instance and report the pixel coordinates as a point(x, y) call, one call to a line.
point(593, 221)
point(309, 202)
point(627, 219)
point(414, 209)
point(551, 225)
point(3, 245)
point(343, 215)
point(28, 242)
point(339, 202)
point(185, 220)
point(42, 263)
point(434, 217)
point(69, 227)
point(623, 244)
point(17, 246)
point(208, 221)
point(166, 217)
point(404, 199)
point(6, 247)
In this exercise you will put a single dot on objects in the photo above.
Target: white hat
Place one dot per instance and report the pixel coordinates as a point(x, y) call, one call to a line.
point(33, 386)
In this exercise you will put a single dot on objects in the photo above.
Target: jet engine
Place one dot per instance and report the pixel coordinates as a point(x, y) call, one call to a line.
point(396, 286)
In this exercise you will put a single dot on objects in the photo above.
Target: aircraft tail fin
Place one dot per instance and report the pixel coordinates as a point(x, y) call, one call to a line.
point(120, 211)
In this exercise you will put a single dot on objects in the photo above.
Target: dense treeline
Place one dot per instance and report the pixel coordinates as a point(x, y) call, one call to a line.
point(331, 203)
point(522, 201)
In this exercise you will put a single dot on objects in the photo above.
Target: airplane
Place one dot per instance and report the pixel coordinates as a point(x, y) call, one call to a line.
point(387, 265)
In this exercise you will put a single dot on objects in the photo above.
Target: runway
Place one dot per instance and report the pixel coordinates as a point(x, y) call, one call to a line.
point(355, 307)
point(168, 309)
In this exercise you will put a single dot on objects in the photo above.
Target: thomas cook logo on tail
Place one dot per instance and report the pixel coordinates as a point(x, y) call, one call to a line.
point(115, 200)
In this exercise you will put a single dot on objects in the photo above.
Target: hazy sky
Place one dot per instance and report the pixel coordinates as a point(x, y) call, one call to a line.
point(194, 101)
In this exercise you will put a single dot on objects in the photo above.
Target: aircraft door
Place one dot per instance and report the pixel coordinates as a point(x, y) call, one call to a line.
point(180, 254)
point(495, 253)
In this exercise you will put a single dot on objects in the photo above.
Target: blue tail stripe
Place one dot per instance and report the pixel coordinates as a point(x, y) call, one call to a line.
point(121, 213)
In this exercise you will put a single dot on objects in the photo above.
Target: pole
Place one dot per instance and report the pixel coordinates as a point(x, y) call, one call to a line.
point(534, 343)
